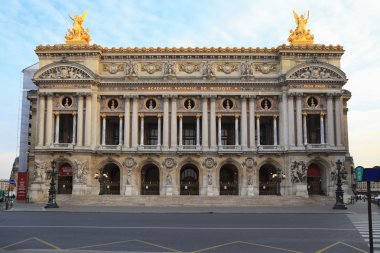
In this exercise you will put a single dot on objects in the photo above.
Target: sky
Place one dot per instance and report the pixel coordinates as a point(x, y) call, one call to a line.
point(24, 24)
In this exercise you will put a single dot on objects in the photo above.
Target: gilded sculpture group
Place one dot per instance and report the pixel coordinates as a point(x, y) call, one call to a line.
point(301, 35)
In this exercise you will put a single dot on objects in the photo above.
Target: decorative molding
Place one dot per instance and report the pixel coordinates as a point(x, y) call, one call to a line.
point(113, 68)
point(227, 67)
point(129, 163)
point(169, 163)
point(209, 163)
point(189, 67)
point(64, 72)
point(151, 67)
point(266, 68)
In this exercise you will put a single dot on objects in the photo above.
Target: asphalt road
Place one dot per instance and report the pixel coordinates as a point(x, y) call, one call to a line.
point(178, 232)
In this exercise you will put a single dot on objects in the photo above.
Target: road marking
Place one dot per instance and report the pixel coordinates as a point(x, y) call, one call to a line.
point(16, 243)
point(216, 246)
point(32, 238)
point(185, 228)
point(157, 245)
point(102, 244)
point(337, 243)
point(271, 247)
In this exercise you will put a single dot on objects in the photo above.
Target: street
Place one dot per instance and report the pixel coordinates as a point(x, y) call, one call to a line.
point(180, 232)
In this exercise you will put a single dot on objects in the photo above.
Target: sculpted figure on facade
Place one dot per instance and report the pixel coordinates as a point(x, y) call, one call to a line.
point(131, 69)
point(39, 173)
point(314, 72)
point(209, 177)
point(246, 70)
point(64, 72)
point(170, 69)
point(208, 71)
point(77, 35)
point(298, 172)
point(301, 35)
point(81, 174)
point(129, 163)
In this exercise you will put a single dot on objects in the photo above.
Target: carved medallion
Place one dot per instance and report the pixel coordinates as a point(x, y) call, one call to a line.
point(169, 163)
point(129, 162)
point(249, 163)
point(228, 67)
point(151, 68)
point(266, 68)
point(113, 68)
point(189, 67)
point(209, 162)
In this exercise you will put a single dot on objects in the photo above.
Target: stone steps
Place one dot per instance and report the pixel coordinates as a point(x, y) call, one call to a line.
point(187, 201)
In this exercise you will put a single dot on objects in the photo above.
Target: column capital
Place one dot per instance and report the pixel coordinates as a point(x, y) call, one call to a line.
point(50, 95)
point(213, 97)
point(103, 115)
point(330, 95)
point(127, 96)
point(275, 116)
point(159, 115)
point(219, 115)
point(205, 96)
point(244, 96)
point(180, 116)
point(75, 114)
point(166, 97)
point(299, 94)
point(121, 116)
point(257, 116)
point(337, 95)
point(87, 94)
point(198, 115)
point(304, 114)
point(322, 114)
point(174, 96)
point(141, 115)
point(56, 113)
point(237, 116)
point(41, 94)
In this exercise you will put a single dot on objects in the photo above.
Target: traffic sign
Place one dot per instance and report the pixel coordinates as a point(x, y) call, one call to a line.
point(359, 173)
point(371, 174)
point(12, 181)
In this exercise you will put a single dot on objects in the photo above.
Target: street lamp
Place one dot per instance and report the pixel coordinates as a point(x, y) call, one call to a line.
point(101, 177)
point(52, 191)
point(339, 191)
point(279, 176)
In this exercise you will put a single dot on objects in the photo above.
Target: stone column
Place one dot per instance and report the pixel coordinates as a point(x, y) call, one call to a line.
point(243, 122)
point(213, 122)
point(330, 120)
point(299, 119)
point(322, 127)
point(56, 127)
point(95, 121)
point(338, 119)
point(127, 121)
point(219, 129)
point(180, 130)
point(103, 129)
point(141, 129)
point(159, 129)
point(204, 123)
point(74, 128)
point(252, 143)
point(284, 137)
point(87, 124)
point(120, 129)
point(173, 128)
point(198, 129)
point(49, 121)
point(258, 129)
point(236, 129)
point(275, 130)
point(135, 121)
point(304, 128)
point(41, 119)
point(165, 141)
point(291, 120)
point(79, 142)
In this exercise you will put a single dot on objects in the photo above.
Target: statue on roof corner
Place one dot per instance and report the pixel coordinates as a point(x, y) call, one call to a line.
point(78, 35)
point(300, 35)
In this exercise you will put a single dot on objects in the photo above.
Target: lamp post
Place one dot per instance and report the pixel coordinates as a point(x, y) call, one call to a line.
point(52, 203)
point(339, 191)
point(101, 177)
point(279, 178)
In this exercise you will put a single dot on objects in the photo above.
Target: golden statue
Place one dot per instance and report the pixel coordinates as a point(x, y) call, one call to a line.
point(78, 35)
point(300, 35)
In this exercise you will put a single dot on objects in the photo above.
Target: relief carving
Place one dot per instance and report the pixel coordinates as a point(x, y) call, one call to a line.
point(189, 67)
point(131, 69)
point(113, 68)
point(209, 163)
point(266, 68)
point(81, 172)
point(169, 163)
point(246, 70)
point(170, 69)
point(39, 172)
point(64, 72)
point(315, 72)
point(151, 67)
point(208, 71)
point(298, 172)
point(227, 67)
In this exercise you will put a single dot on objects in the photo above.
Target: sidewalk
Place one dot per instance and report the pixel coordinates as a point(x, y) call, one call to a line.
point(359, 207)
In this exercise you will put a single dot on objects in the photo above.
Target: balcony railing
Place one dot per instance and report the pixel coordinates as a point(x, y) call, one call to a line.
point(229, 148)
point(149, 148)
point(269, 147)
point(189, 148)
point(110, 147)
point(318, 146)
point(63, 146)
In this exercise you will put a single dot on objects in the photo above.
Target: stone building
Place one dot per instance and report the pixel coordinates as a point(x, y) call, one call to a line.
point(189, 121)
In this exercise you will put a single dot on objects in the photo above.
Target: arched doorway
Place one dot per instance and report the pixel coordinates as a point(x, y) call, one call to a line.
point(112, 179)
point(314, 180)
point(267, 180)
point(229, 180)
point(65, 179)
point(189, 180)
point(150, 180)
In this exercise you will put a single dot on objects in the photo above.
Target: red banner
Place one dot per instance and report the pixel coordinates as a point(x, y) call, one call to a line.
point(66, 170)
point(22, 185)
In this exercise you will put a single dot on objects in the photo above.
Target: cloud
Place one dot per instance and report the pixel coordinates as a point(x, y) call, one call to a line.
point(6, 162)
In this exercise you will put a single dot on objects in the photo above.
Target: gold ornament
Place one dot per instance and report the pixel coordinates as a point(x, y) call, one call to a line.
point(78, 35)
point(300, 35)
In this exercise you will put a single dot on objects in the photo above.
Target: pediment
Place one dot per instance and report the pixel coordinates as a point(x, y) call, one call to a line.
point(316, 71)
point(64, 71)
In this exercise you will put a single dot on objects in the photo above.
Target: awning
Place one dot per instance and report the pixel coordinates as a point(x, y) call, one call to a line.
point(313, 171)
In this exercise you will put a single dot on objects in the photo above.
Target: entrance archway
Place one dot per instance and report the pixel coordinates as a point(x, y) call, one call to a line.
point(267, 180)
point(189, 177)
point(314, 180)
point(112, 180)
point(65, 179)
point(150, 180)
point(229, 180)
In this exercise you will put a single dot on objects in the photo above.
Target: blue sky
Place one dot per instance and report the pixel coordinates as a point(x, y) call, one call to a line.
point(175, 23)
